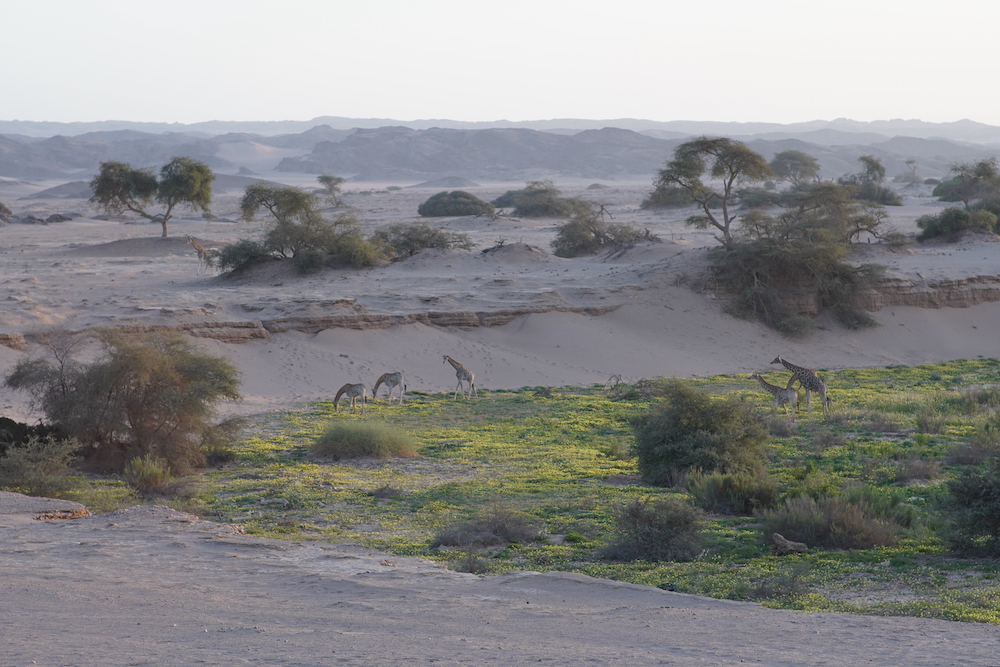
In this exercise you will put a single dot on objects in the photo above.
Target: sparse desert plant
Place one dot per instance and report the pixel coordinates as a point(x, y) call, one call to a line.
point(953, 220)
point(241, 255)
point(586, 233)
point(331, 188)
point(787, 582)
point(145, 393)
point(741, 493)
point(663, 529)
point(539, 199)
point(833, 522)
point(149, 475)
point(868, 184)
point(667, 197)
point(41, 466)
point(456, 202)
point(497, 523)
point(917, 469)
point(690, 430)
point(879, 422)
point(929, 420)
point(407, 238)
point(356, 439)
point(973, 509)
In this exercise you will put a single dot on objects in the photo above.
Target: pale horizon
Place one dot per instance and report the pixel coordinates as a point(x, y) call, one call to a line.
point(774, 61)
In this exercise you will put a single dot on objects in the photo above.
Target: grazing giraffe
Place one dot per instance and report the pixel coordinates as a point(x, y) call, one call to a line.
point(204, 256)
point(782, 395)
point(464, 375)
point(809, 381)
point(391, 380)
point(352, 391)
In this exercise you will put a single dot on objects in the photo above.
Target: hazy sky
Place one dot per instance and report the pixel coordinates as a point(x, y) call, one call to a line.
point(726, 60)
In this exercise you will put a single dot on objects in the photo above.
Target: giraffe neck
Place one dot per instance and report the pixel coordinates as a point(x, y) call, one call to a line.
point(454, 364)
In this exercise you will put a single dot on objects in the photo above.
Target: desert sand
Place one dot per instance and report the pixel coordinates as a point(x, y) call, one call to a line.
point(151, 586)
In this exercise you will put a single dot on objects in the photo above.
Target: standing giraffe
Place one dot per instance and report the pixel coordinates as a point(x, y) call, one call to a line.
point(782, 395)
point(809, 380)
point(204, 256)
point(464, 375)
point(352, 391)
point(391, 380)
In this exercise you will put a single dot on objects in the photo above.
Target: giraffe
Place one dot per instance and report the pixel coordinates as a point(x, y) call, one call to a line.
point(204, 256)
point(352, 391)
point(391, 380)
point(782, 395)
point(809, 381)
point(464, 375)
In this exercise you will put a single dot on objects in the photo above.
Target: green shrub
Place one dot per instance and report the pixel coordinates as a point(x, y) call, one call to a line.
point(407, 238)
point(586, 233)
point(664, 529)
point(354, 439)
point(539, 199)
point(309, 261)
point(151, 393)
point(148, 475)
point(833, 522)
point(40, 466)
point(929, 420)
point(953, 220)
point(741, 493)
point(667, 197)
point(496, 524)
point(973, 510)
point(456, 202)
point(690, 430)
point(241, 255)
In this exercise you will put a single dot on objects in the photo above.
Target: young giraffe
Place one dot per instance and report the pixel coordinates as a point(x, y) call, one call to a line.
point(464, 375)
point(809, 381)
point(391, 380)
point(204, 256)
point(782, 395)
point(352, 391)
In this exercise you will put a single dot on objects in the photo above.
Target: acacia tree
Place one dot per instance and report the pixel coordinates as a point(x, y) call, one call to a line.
point(795, 167)
point(728, 161)
point(120, 187)
point(971, 181)
point(332, 185)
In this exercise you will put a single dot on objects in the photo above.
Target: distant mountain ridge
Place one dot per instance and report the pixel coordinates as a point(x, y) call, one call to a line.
point(400, 153)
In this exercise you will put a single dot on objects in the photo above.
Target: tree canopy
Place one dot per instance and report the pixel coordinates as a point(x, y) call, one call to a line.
point(729, 162)
point(120, 187)
point(971, 180)
point(796, 167)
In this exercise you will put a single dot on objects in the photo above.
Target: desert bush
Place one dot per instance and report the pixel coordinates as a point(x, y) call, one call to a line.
point(40, 466)
point(824, 440)
point(879, 422)
point(758, 197)
point(331, 188)
point(497, 523)
point(14, 434)
point(667, 197)
point(5, 213)
point(973, 510)
point(309, 261)
point(539, 199)
point(664, 529)
point(354, 439)
point(917, 469)
point(953, 220)
point(586, 233)
point(929, 420)
point(241, 255)
point(833, 522)
point(868, 184)
point(457, 202)
point(690, 430)
point(406, 238)
point(151, 393)
point(148, 475)
point(741, 493)
point(787, 582)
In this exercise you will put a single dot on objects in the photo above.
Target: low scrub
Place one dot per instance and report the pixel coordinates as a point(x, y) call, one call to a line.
point(833, 522)
point(457, 202)
point(953, 220)
point(407, 238)
point(496, 524)
point(149, 475)
point(974, 511)
point(540, 199)
point(586, 233)
point(41, 466)
point(739, 493)
point(655, 530)
point(353, 440)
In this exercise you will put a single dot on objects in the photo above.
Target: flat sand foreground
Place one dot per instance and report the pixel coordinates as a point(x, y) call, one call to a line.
point(153, 586)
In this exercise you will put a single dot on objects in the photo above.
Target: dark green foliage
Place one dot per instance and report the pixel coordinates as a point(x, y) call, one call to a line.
point(238, 256)
point(15, 434)
point(758, 198)
point(40, 466)
point(149, 393)
point(496, 524)
point(953, 220)
point(667, 197)
point(586, 233)
point(726, 161)
point(539, 199)
point(149, 475)
point(298, 228)
point(795, 167)
point(654, 530)
point(309, 261)
point(119, 187)
point(974, 510)
point(740, 493)
point(868, 184)
point(456, 202)
point(353, 439)
point(972, 180)
point(690, 430)
point(834, 522)
point(406, 238)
